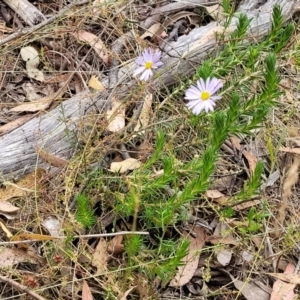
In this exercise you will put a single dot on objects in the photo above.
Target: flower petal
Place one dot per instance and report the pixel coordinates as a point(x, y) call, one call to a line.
point(192, 94)
point(138, 71)
point(201, 84)
point(140, 61)
point(146, 75)
point(215, 98)
point(157, 64)
point(198, 108)
point(194, 103)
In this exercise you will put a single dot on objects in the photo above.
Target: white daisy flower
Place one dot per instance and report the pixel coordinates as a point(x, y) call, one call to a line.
point(147, 62)
point(201, 97)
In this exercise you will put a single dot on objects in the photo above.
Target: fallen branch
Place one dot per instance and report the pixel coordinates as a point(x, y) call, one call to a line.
point(34, 28)
point(27, 11)
point(56, 132)
point(21, 287)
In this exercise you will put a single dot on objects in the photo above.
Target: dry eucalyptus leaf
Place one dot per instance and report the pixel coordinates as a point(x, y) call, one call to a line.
point(186, 271)
point(96, 84)
point(100, 256)
point(247, 256)
point(115, 246)
point(86, 291)
point(116, 116)
point(155, 29)
point(34, 106)
point(9, 216)
point(52, 159)
point(32, 236)
point(22, 187)
point(145, 114)
point(124, 296)
point(225, 240)
point(6, 230)
point(125, 165)
point(224, 257)
point(289, 278)
point(6, 207)
point(252, 160)
point(217, 196)
point(247, 204)
point(13, 256)
point(31, 56)
point(250, 290)
point(283, 290)
point(94, 42)
point(290, 150)
point(53, 225)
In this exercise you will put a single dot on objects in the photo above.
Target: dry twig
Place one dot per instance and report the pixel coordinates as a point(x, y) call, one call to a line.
point(21, 287)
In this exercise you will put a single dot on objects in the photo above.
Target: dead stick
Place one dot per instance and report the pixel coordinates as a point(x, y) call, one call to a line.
point(29, 30)
point(85, 236)
point(21, 287)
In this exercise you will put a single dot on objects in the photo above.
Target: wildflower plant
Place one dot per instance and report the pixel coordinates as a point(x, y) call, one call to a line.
point(250, 91)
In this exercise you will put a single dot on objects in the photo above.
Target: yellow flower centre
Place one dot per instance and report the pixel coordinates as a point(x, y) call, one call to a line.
point(148, 65)
point(204, 95)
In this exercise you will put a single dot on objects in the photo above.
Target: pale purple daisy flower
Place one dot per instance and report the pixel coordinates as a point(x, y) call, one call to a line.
point(149, 60)
point(201, 97)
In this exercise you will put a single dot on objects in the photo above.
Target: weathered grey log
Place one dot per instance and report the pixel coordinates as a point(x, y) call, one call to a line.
point(27, 11)
point(56, 131)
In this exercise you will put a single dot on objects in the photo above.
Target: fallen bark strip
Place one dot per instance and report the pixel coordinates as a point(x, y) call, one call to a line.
point(56, 131)
point(27, 11)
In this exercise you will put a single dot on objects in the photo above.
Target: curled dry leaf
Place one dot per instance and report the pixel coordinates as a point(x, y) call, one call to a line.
point(284, 290)
point(52, 159)
point(8, 210)
point(250, 290)
point(26, 185)
point(247, 204)
point(96, 84)
point(145, 114)
point(252, 160)
point(53, 225)
point(224, 257)
point(94, 42)
point(115, 246)
point(186, 271)
point(124, 296)
point(217, 196)
point(6, 230)
point(155, 30)
point(32, 236)
point(34, 106)
point(225, 240)
point(290, 150)
point(31, 56)
point(100, 256)
point(116, 116)
point(13, 256)
point(86, 292)
point(125, 165)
